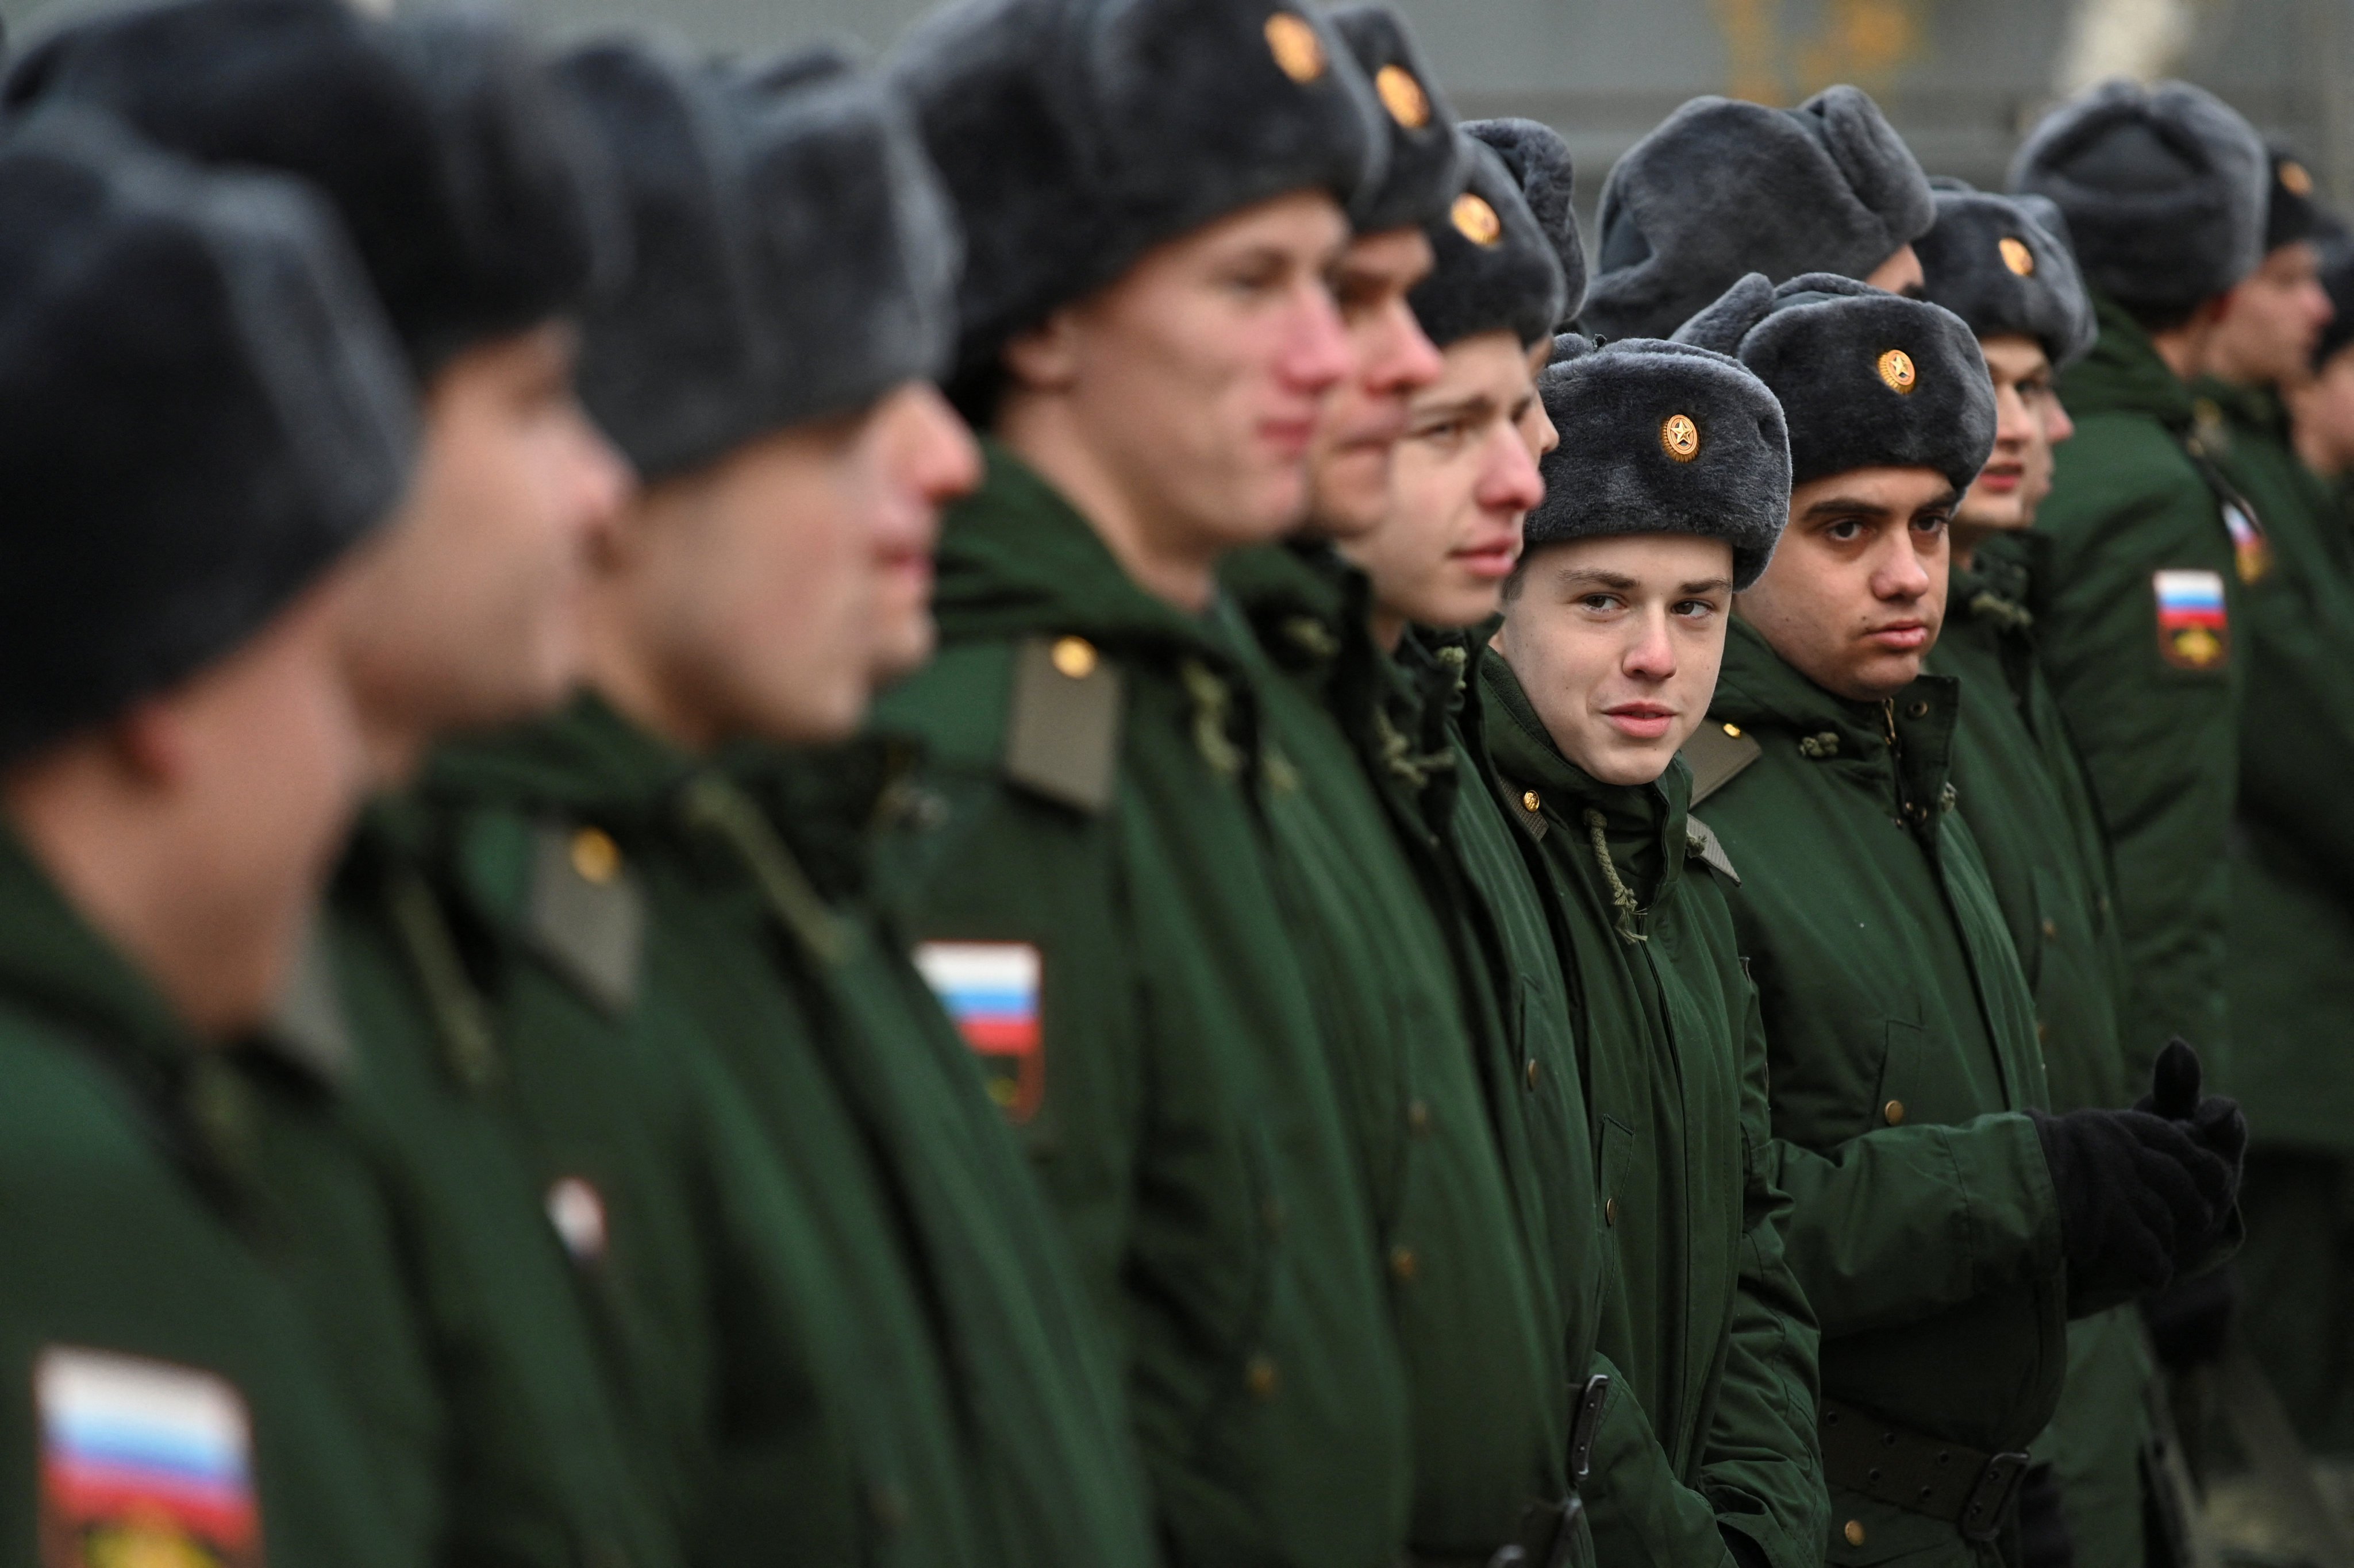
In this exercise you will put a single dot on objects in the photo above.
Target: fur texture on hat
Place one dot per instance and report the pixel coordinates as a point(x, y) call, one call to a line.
point(1723, 188)
point(1866, 378)
point(1506, 251)
point(1997, 262)
point(1075, 135)
point(2163, 188)
point(456, 168)
point(2291, 213)
point(201, 407)
point(795, 257)
point(1426, 165)
point(1663, 437)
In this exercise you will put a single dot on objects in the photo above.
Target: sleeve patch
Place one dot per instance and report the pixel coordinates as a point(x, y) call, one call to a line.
point(990, 991)
point(2193, 625)
point(143, 1462)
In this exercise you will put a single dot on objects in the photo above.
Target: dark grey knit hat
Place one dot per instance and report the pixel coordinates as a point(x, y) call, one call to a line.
point(201, 407)
point(2163, 188)
point(1867, 379)
point(2000, 264)
point(2291, 213)
point(1506, 250)
point(1663, 437)
point(1075, 136)
point(1426, 165)
point(1723, 188)
point(458, 169)
point(795, 257)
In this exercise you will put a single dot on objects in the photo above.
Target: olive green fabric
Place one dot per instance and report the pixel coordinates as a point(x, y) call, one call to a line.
point(2021, 788)
point(1487, 1390)
point(1189, 1130)
point(131, 1226)
point(1924, 1228)
point(1700, 1310)
point(2159, 739)
point(757, 1280)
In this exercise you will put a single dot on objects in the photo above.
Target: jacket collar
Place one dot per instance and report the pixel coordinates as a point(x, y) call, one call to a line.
point(2124, 374)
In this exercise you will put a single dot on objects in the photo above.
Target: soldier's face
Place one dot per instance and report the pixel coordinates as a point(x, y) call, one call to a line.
point(2324, 408)
point(1618, 642)
point(1999, 500)
point(769, 593)
point(469, 606)
point(1188, 393)
point(1856, 592)
point(1463, 479)
point(1900, 274)
point(1349, 466)
point(2272, 319)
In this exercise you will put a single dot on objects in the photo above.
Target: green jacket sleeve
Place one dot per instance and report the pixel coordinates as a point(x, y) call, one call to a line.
point(1643, 1515)
point(1762, 1469)
point(1902, 1223)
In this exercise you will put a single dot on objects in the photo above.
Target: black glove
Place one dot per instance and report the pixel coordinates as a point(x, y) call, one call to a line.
point(2189, 1321)
point(2214, 1122)
point(2043, 1540)
point(2138, 1195)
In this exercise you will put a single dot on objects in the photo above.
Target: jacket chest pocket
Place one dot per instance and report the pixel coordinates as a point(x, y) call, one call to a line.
point(1613, 1175)
point(1908, 1072)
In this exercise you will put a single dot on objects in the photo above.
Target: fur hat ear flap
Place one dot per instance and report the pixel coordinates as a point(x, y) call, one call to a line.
point(1539, 159)
point(1570, 346)
point(1720, 327)
point(1879, 168)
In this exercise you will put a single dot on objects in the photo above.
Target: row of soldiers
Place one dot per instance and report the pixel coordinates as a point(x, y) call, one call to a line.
point(1370, 933)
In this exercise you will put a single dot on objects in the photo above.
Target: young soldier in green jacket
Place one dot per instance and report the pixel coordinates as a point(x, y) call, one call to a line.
point(1998, 264)
point(1942, 1237)
point(406, 1218)
point(205, 413)
point(2148, 566)
point(1419, 1055)
point(1153, 196)
point(1667, 493)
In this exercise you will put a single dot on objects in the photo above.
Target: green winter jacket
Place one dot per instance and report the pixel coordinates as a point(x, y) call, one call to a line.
point(1104, 900)
point(1476, 1320)
point(2151, 685)
point(147, 1330)
point(1924, 1228)
point(1701, 1310)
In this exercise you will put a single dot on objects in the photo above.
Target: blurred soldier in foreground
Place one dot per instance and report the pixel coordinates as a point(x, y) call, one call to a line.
point(1153, 197)
point(1668, 490)
point(1942, 1244)
point(205, 414)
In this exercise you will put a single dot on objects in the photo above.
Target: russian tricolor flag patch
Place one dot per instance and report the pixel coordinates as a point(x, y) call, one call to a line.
point(143, 1462)
point(991, 990)
point(2193, 628)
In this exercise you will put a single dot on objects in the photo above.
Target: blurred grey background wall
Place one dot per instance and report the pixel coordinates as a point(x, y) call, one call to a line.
point(1960, 78)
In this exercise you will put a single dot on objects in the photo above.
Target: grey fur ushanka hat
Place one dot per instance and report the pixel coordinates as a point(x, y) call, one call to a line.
point(2163, 188)
point(1866, 378)
point(795, 256)
point(2291, 213)
point(1663, 438)
point(1722, 188)
point(1075, 135)
point(1426, 163)
point(201, 408)
point(1505, 253)
point(2003, 264)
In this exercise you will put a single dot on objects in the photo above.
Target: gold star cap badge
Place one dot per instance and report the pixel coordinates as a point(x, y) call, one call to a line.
point(1680, 437)
point(1475, 220)
point(2017, 256)
point(1298, 52)
point(1896, 370)
point(1403, 95)
point(2296, 178)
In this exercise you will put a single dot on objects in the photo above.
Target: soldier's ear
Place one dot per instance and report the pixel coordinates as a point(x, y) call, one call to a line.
point(1044, 359)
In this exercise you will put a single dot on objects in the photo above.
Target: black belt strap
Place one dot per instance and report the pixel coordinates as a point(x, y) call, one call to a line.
point(1967, 1487)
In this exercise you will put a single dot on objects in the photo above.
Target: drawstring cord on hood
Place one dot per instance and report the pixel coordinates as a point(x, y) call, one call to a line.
point(1622, 897)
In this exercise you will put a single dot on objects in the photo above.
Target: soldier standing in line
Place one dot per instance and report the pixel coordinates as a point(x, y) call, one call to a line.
point(1154, 195)
point(205, 413)
point(1944, 1227)
point(2003, 265)
point(1723, 188)
point(1667, 494)
point(1458, 1213)
point(406, 1217)
point(2321, 402)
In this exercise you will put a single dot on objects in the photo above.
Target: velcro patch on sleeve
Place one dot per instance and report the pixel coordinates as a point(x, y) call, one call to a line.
point(2193, 624)
point(142, 1461)
point(991, 990)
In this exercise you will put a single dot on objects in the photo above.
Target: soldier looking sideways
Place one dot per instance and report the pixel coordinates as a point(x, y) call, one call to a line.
point(1898, 1024)
point(1153, 196)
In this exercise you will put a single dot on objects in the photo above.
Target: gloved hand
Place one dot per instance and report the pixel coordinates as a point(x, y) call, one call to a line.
point(2215, 1122)
point(2139, 1195)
